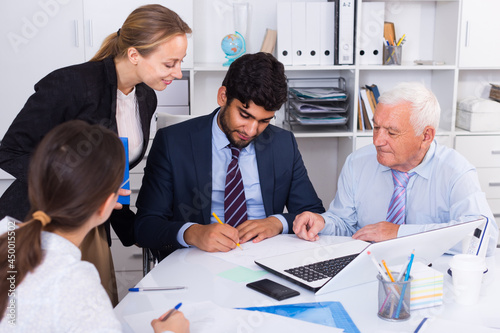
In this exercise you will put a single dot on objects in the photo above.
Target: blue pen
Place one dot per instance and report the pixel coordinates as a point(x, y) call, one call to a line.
point(407, 276)
point(402, 273)
point(172, 311)
point(156, 288)
point(419, 327)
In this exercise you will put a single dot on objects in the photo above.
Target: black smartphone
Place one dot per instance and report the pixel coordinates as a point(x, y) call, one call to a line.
point(273, 289)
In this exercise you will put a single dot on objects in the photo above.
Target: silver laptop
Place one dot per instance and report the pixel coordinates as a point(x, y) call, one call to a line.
point(314, 269)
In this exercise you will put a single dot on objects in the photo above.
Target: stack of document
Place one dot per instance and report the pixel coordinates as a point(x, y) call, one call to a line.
point(426, 287)
point(318, 106)
point(314, 109)
point(326, 114)
point(338, 120)
point(324, 93)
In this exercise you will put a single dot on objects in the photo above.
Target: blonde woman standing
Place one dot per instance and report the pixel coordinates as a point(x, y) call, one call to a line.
point(114, 89)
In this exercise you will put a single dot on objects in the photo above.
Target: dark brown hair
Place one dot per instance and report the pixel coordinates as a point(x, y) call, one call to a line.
point(145, 28)
point(72, 172)
point(257, 77)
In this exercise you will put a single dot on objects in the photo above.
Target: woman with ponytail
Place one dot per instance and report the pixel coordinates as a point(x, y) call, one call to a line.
point(73, 186)
point(114, 89)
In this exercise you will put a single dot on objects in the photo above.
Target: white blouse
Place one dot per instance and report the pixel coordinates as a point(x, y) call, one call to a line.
point(128, 121)
point(63, 294)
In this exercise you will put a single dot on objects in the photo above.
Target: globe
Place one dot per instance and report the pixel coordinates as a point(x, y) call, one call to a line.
point(233, 45)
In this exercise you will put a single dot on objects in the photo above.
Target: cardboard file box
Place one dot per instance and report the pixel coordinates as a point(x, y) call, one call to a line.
point(478, 115)
point(495, 92)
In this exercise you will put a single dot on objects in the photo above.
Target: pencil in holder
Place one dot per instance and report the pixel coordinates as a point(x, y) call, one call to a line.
point(392, 54)
point(394, 298)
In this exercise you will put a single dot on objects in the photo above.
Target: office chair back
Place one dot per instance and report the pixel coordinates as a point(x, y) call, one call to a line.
point(151, 257)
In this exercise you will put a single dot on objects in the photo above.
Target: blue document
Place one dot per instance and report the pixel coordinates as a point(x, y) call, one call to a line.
point(125, 200)
point(330, 314)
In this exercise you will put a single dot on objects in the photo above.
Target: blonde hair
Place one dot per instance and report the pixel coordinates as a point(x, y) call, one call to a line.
point(144, 29)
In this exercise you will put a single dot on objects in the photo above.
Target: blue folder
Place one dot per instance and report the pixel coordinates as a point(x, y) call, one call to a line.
point(125, 200)
point(330, 314)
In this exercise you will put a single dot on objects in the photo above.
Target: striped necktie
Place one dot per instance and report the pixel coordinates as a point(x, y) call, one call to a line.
point(235, 207)
point(397, 208)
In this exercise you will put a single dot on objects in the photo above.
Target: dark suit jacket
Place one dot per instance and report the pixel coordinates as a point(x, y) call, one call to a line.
point(86, 91)
point(177, 183)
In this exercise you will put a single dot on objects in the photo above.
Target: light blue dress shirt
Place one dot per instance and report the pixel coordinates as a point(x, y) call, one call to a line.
point(443, 192)
point(221, 157)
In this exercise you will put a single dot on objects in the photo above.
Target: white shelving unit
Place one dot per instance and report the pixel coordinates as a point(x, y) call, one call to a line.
point(433, 32)
point(449, 31)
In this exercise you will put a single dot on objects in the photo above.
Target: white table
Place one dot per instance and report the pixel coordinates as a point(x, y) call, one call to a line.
point(199, 272)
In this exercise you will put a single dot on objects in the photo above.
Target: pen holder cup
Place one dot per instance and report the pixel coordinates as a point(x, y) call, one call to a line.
point(392, 55)
point(394, 298)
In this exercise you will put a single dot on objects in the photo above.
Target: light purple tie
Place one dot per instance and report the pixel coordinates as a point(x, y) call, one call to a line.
point(397, 208)
point(235, 206)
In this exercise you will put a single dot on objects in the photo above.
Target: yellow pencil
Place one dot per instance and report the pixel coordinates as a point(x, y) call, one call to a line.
point(401, 40)
point(218, 220)
point(388, 271)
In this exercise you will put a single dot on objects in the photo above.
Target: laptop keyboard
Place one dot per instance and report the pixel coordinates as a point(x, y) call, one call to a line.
point(321, 270)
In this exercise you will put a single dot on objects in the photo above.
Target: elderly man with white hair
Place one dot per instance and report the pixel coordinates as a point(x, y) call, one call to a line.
point(405, 182)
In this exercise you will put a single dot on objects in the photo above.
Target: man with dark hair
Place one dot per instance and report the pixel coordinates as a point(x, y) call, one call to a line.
point(232, 163)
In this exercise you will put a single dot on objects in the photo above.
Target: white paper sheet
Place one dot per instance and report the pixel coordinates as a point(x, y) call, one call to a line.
point(252, 251)
point(439, 325)
point(209, 317)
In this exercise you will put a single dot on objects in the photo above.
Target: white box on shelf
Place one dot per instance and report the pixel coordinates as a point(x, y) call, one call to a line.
point(313, 33)
point(478, 115)
point(327, 43)
point(371, 36)
point(299, 37)
point(284, 28)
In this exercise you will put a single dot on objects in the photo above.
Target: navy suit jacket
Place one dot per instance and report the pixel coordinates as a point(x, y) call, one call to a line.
point(177, 183)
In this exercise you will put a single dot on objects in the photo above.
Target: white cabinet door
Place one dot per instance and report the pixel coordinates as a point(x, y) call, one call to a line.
point(105, 17)
point(479, 42)
point(38, 36)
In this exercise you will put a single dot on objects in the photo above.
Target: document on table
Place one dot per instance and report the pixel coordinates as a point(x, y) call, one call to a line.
point(272, 247)
point(451, 326)
point(209, 317)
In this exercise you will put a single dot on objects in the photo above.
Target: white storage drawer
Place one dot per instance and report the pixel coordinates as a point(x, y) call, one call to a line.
point(495, 208)
point(177, 93)
point(480, 150)
point(489, 178)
